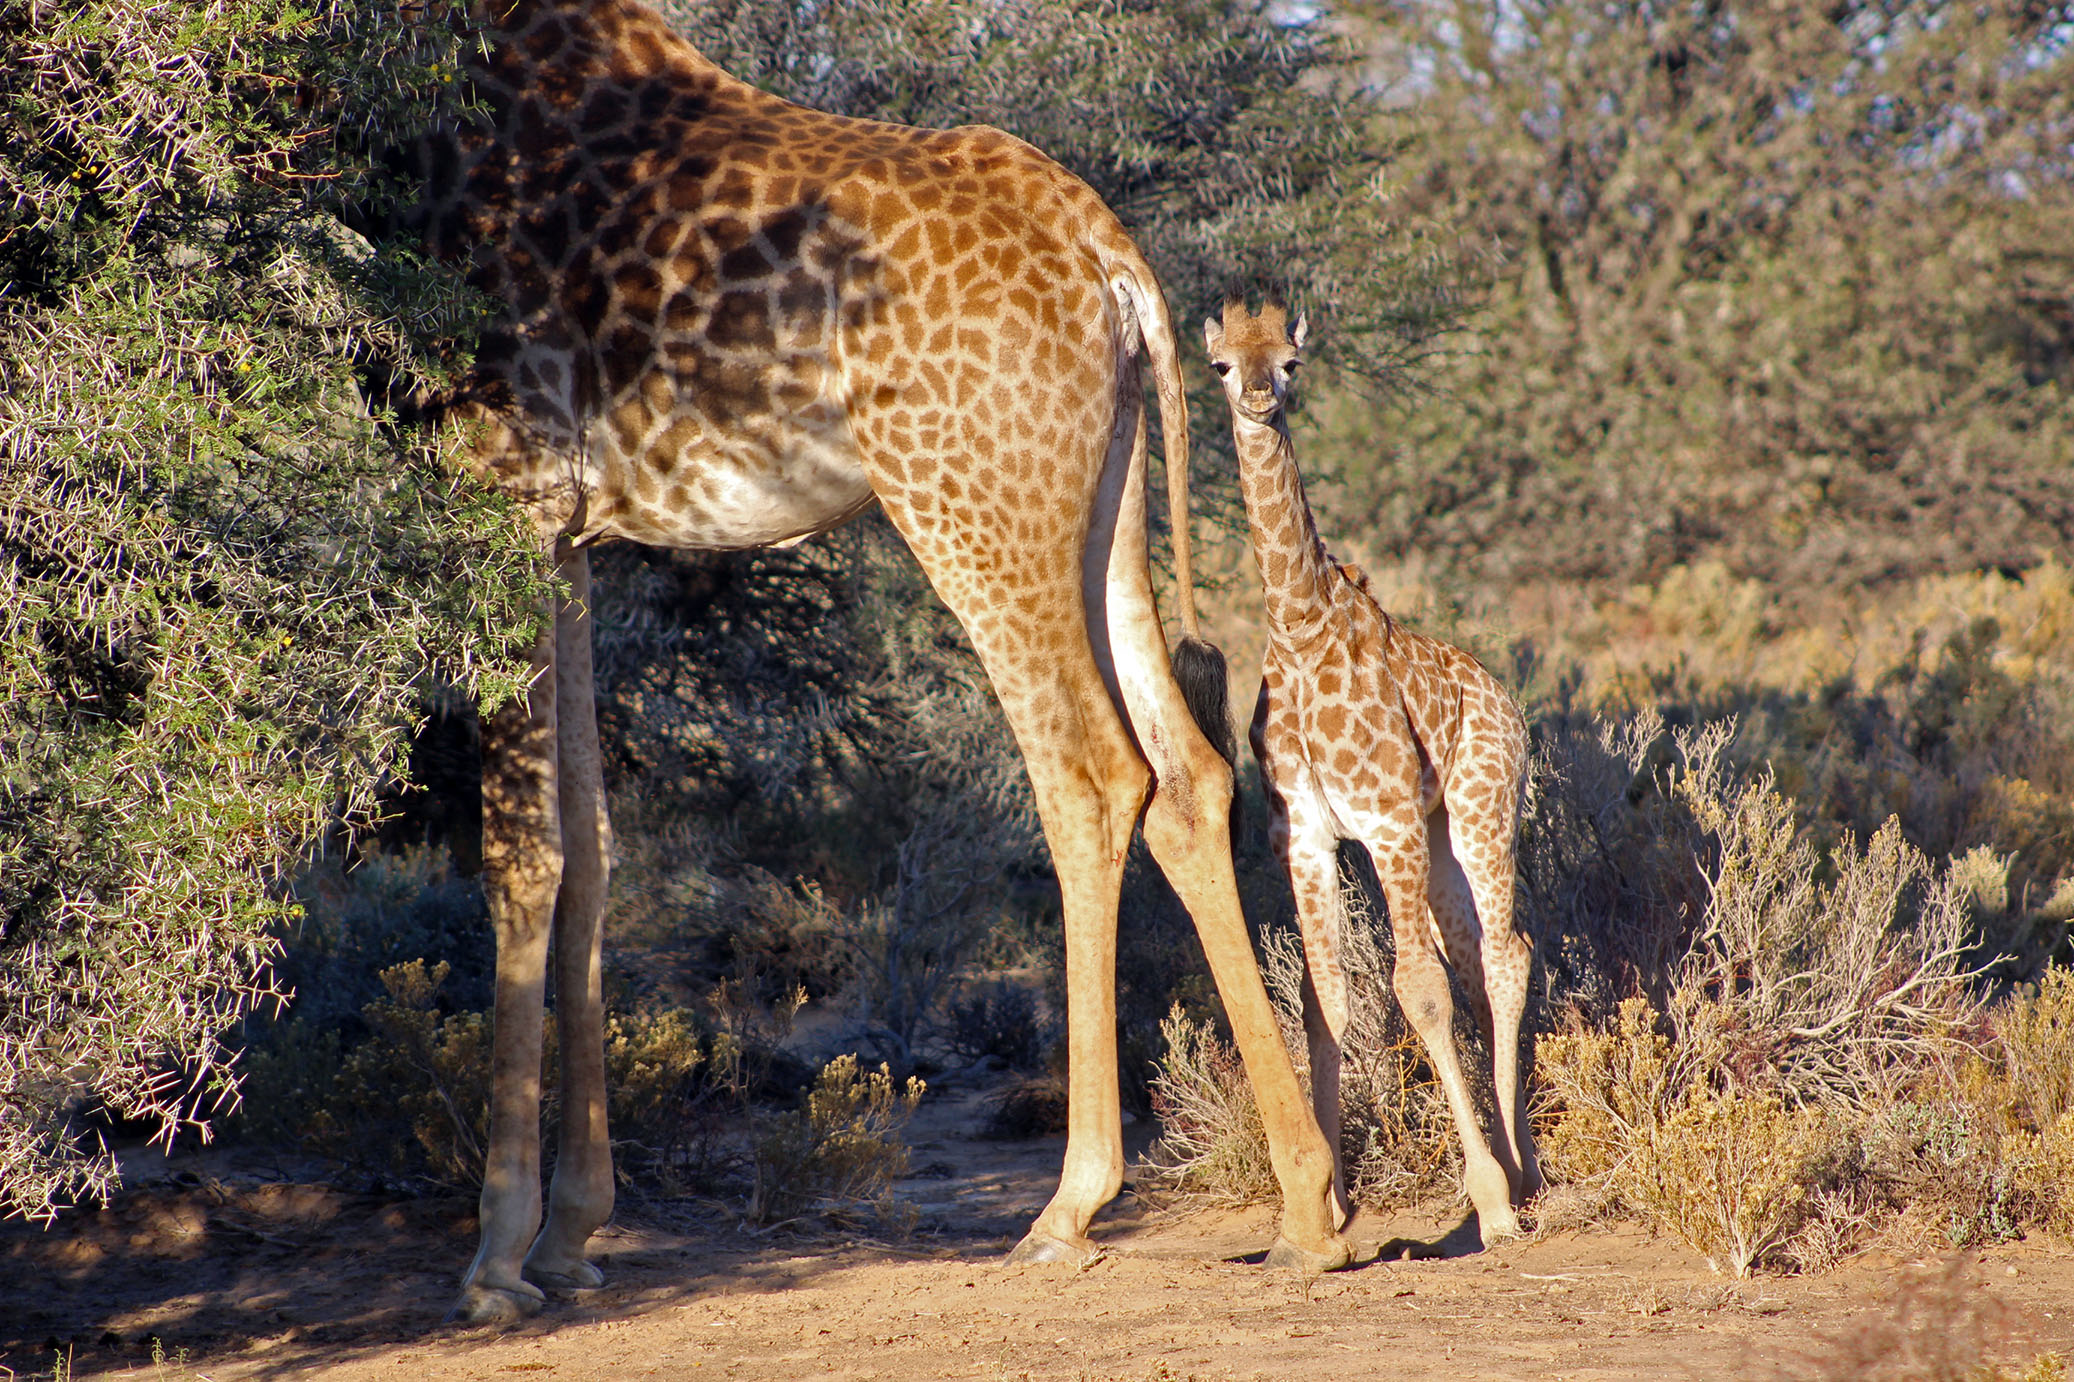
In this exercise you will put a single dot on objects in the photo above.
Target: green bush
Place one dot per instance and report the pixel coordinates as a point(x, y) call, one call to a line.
point(225, 584)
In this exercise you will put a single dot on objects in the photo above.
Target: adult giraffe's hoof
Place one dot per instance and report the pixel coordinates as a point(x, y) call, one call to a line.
point(1308, 1261)
point(575, 1275)
point(1043, 1247)
point(481, 1304)
point(1499, 1226)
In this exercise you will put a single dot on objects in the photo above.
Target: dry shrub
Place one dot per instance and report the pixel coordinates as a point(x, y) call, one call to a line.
point(2017, 1095)
point(1609, 1087)
point(1644, 1126)
point(1611, 885)
point(838, 1156)
point(1841, 1222)
point(1397, 1138)
point(1000, 1020)
point(1033, 1107)
point(1818, 993)
point(1841, 987)
point(1948, 1177)
point(1212, 1143)
point(1729, 1172)
point(412, 1099)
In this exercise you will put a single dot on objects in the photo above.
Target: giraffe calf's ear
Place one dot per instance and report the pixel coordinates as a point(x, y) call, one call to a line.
point(1213, 333)
point(1303, 329)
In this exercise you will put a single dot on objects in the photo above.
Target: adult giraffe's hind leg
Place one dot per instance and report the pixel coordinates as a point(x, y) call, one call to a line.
point(1187, 828)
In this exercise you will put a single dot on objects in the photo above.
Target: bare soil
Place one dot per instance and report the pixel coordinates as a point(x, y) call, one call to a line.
point(217, 1272)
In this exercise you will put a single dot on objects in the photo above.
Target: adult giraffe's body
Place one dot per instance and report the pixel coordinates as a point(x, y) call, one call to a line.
point(733, 321)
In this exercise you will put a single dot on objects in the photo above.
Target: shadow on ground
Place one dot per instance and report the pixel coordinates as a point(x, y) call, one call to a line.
point(205, 1257)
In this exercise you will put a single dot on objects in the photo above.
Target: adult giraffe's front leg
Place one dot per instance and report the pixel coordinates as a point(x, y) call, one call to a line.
point(1088, 819)
point(579, 1200)
point(522, 871)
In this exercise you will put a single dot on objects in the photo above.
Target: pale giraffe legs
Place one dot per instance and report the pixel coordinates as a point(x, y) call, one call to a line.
point(1089, 784)
point(1087, 823)
point(1188, 830)
point(1310, 854)
point(545, 855)
point(579, 1198)
point(1399, 849)
point(1505, 964)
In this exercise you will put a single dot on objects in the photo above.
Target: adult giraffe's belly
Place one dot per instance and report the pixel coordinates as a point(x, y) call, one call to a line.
point(698, 476)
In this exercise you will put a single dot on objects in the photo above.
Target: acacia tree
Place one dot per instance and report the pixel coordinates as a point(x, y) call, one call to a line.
point(1786, 284)
point(224, 584)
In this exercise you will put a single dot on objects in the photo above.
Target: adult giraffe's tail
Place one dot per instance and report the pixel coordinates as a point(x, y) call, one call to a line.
point(1198, 665)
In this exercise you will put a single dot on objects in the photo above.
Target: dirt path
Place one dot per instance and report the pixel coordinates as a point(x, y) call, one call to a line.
point(237, 1278)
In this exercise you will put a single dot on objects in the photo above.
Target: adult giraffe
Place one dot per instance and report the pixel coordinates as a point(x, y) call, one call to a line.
point(732, 321)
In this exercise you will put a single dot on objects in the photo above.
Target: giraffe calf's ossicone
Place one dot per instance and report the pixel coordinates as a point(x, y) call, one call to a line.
point(1368, 731)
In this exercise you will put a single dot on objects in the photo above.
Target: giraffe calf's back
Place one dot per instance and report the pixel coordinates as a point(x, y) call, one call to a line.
point(1468, 727)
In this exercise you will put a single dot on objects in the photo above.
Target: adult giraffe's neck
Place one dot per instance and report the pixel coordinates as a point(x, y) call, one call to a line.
point(1294, 573)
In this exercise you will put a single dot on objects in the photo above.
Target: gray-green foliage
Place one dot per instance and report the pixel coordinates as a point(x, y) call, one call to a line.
point(223, 584)
point(1782, 284)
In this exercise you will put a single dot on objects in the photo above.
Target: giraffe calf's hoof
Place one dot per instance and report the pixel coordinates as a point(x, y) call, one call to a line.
point(577, 1275)
point(481, 1304)
point(1043, 1247)
point(1309, 1261)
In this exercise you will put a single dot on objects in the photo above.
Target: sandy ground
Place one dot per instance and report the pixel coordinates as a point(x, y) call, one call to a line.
point(219, 1273)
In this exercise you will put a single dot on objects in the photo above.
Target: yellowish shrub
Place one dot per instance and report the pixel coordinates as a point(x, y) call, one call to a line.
point(1729, 1172)
point(1639, 1120)
point(838, 1154)
point(1609, 1088)
point(2021, 1089)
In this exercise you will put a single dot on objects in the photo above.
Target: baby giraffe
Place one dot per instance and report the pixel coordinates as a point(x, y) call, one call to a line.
point(1367, 731)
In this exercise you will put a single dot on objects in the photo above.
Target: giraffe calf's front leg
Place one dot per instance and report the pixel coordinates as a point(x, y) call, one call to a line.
point(1311, 854)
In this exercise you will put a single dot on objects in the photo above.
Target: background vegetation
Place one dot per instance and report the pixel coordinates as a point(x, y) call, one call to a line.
point(1704, 368)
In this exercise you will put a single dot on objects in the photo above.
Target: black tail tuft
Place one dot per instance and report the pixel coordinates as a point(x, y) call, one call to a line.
point(1205, 685)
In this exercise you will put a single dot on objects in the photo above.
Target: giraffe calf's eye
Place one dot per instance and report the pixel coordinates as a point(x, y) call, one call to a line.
point(1220, 366)
point(1290, 368)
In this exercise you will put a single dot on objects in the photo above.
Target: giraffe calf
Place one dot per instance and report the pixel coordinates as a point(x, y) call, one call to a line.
point(1368, 731)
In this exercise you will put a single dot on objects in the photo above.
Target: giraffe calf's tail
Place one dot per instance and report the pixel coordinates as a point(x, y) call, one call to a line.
point(1199, 667)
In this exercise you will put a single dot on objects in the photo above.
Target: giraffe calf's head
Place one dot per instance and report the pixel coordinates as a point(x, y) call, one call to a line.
point(1256, 357)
